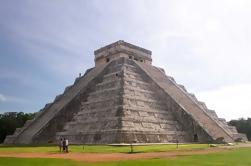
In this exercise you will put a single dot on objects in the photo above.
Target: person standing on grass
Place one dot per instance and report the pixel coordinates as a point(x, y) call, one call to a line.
point(66, 145)
point(60, 144)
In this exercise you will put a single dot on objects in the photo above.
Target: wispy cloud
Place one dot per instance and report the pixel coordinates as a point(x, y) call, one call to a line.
point(12, 99)
point(2, 98)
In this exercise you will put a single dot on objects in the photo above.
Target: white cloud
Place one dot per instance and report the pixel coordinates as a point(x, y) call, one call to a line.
point(12, 99)
point(203, 44)
point(230, 102)
point(2, 98)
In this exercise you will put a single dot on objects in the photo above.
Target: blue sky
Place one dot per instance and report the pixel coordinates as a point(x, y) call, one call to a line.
point(204, 45)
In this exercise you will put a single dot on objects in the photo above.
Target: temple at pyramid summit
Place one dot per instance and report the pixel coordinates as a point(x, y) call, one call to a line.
point(125, 99)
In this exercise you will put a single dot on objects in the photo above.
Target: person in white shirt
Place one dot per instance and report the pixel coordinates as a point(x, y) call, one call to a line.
point(66, 145)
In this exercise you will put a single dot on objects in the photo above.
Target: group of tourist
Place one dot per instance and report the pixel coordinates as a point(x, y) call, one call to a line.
point(63, 145)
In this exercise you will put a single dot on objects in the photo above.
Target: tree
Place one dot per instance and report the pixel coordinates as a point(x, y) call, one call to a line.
point(9, 121)
point(242, 126)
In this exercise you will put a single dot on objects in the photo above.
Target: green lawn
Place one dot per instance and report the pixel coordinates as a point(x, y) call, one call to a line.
point(237, 157)
point(103, 149)
point(8, 161)
point(241, 157)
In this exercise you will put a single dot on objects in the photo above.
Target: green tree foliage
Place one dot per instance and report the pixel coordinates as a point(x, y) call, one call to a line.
point(9, 121)
point(243, 126)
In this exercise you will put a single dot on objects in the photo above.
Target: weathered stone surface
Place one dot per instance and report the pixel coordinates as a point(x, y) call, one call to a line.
point(123, 100)
point(43, 128)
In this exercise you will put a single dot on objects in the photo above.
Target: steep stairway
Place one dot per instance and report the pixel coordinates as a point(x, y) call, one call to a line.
point(212, 128)
point(123, 108)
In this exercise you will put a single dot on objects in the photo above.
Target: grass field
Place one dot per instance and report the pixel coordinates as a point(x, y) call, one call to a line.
point(237, 157)
point(103, 149)
point(234, 157)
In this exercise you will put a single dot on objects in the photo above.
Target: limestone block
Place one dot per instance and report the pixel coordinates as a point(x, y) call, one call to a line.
point(142, 114)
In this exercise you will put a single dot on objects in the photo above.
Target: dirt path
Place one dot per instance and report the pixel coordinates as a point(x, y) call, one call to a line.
point(98, 157)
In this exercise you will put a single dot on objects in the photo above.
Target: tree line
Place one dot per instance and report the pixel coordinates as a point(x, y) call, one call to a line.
point(9, 121)
point(242, 126)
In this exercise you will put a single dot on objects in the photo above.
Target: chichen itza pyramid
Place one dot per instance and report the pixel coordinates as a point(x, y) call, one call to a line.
point(124, 99)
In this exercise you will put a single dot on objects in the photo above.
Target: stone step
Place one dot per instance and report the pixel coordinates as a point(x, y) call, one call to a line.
point(102, 114)
point(94, 123)
point(111, 79)
point(142, 109)
point(129, 66)
point(108, 98)
point(95, 119)
point(112, 76)
point(136, 81)
point(108, 84)
point(152, 119)
point(107, 131)
point(149, 106)
point(166, 115)
point(144, 103)
point(153, 130)
point(149, 120)
point(101, 105)
point(102, 94)
point(143, 98)
point(138, 85)
point(134, 78)
point(129, 72)
point(99, 92)
point(133, 75)
point(129, 89)
point(113, 108)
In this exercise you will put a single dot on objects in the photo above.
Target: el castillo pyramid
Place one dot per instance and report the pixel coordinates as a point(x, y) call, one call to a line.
point(124, 99)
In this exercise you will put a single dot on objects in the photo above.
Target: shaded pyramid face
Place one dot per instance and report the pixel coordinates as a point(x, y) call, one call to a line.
point(124, 99)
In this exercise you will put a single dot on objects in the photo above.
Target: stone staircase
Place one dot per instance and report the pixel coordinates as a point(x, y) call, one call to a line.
point(123, 108)
point(146, 117)
point(195, 109)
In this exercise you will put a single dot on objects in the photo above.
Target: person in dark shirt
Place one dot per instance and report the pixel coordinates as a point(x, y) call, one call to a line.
point(60, 144)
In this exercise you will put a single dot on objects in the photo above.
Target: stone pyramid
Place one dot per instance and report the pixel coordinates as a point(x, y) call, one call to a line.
point(124, 99)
